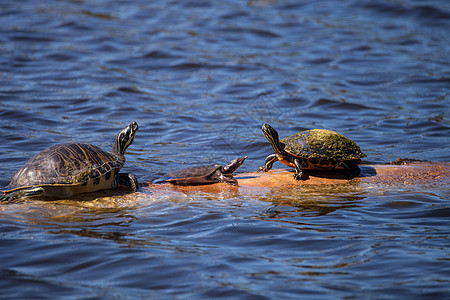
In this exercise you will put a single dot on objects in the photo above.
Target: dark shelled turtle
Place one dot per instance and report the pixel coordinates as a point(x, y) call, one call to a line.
point(68, 169)
point(204, 174)
point(316, 149)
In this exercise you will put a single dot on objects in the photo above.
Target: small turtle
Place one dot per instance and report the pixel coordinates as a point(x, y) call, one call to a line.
point(316, 149)
point(68, 169)
point(204, 174)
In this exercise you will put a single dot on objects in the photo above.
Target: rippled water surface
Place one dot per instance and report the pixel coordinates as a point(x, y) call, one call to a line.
point(200, 78)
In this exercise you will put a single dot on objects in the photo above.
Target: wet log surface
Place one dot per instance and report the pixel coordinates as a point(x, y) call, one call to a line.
point(412, 173)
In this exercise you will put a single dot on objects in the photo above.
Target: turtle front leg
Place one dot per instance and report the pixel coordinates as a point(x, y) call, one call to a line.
point(128, 180)
point(299, 175)
point(228, 178)
point(270, 160)
point(25, 193)
point(5, 198)
point(134, 182)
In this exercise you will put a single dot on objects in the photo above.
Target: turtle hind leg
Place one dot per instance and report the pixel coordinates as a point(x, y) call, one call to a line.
point(353, 172)
point(351, 169)
point(128, 180)
point(299, 174)
point(270, 160)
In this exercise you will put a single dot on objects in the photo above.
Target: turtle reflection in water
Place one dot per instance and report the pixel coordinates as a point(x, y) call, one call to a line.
point(204, 174)
point(316, 149)
point(68, 169)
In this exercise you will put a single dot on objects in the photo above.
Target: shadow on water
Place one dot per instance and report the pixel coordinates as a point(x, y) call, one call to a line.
point(366, 171)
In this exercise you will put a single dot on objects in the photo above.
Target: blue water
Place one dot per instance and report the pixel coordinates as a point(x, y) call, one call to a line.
point(200, 78)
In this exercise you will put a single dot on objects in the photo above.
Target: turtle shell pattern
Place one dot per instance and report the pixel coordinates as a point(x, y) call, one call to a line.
point(68, 164)
point(321, 144)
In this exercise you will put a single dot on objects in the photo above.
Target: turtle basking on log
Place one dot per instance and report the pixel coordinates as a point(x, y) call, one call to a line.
point(68, 169)
point(316, 149)
point(204, 174)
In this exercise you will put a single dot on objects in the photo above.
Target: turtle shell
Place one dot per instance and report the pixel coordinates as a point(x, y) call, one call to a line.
point(192, 175)
point(322, 144)
point(68, 164)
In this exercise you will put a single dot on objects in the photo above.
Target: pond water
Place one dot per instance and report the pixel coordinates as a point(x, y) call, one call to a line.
point(200, 78)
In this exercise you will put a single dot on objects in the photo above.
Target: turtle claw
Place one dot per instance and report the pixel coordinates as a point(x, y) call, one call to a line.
point(300, 176)
point(268, 163)
point(262, 169)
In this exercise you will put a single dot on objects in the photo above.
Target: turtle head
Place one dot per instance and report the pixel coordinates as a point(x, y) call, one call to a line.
point(272, 136)
point(125, 138)
point(234, 165)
